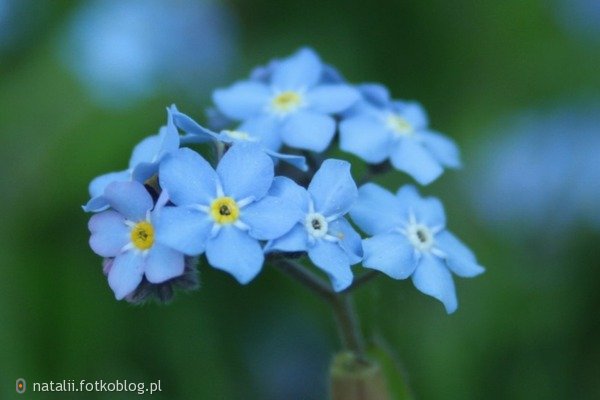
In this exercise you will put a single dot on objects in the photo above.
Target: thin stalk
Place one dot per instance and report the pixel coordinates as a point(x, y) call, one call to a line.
point(361, 280)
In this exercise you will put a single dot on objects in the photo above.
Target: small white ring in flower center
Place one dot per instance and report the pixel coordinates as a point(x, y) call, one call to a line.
point(399, 125)
point(316, 225)
point(420, 236)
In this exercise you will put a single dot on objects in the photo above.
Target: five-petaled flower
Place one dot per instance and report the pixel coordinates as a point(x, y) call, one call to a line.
point(224, 212)
point(292, 106)
point(331, 242)
point(409, 239)
point(128, 232)
point(380, 128)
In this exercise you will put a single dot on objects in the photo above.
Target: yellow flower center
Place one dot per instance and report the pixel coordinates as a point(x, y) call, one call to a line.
point(224, 210)
point(287, 101)
point(399, 125)
point(142, 235)
point(239, 135)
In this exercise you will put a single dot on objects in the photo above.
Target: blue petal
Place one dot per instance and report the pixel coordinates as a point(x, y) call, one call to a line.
point(235, 252)
point(96, 204)
point(308, 130)
point(412, 112)
point(183, 229)
point(109, 233)
point(391, 254)
point(375, 93)
point(459, 258)
point(331, 99)
point(295, 240)
point(145, 151)
point(130, 199)
point(270, 218)
point(377, 210)
point(292, 159)
point(98, 184)
point(330, 257)
point(144, 171)
point(188, 125)
point(301, 70)
point(163, 263)
point(411, 157)
point(290, 192)
point(350, 240)
point(242, 100)
point(245, 171)
point(188, 178)
point(434, 279)
point(428, 210)
point(332, 188)
point(126, 273)
point(265, 129)
point(442, 148)
point(365, 137)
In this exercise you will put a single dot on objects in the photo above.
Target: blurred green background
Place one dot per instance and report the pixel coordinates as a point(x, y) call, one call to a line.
point(528, 328)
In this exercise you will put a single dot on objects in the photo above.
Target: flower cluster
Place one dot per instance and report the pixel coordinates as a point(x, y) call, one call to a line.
point(172, 205)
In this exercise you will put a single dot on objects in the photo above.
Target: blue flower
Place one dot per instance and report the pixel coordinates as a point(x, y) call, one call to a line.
point(409, 239)
point(142, 165)
point(224, 212)
point(291, 102)
point(379, 129)
point(128, 232)
point(249, 131)
point(331, 242)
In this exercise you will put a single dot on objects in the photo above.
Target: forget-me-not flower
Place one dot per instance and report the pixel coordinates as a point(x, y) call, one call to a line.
point(143, 163)
point(224, 212)
point(409, 239)
point(128, 232)
point(292, 102)
point(250, 131)
point(322, 231)
point(380, 128)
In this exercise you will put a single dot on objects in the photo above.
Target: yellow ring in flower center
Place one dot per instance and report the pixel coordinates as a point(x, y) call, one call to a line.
point(224, 210)
point(399, 125)
point(287, 101)
point(142, 235)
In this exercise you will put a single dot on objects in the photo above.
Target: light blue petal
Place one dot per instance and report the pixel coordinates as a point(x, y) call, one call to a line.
point(391, 254)
point(433, 278)
point(332, 188)
point(375, 93)
point(130, 199)
point(292, 159)
point(96, 204)
point(443, 148)
point(308, 130)
point(126, 273)
point(144, 171)
point(350, 241)
point(413, 112)
point(301, 70)
point(265, 128)
point(245, 171)
point(109, 233)
point(365, 137)
point(330, 257)
point(188, 178)
point(428, 210)
point(183, 229)
point(377, 210)
point(270, 218)
point(290, 192)
point(98, 184)
point(169, 134)
point(459, 258)
point(411, 157)
point(145, 151)
point(163, 263)
point(235, 252)
point(242, 100)
point(295, 240)
point(331, 99)
point(188, 125)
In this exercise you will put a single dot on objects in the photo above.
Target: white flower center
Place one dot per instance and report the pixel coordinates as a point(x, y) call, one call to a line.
point(399, 125)
point(316, 225)
point(420, 236)
point(286, 102)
